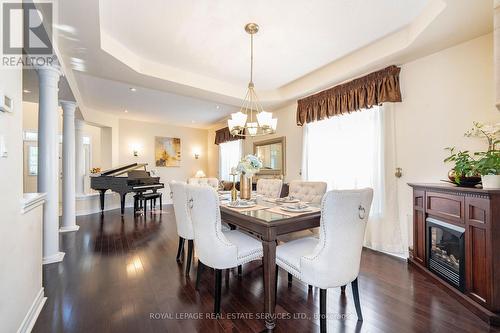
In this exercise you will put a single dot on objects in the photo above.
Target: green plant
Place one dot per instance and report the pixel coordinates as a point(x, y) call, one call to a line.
point(464, 164)
point(488, 162)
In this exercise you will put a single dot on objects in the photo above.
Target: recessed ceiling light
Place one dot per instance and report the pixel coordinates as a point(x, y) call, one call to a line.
point(126, 111)
point(217, 107)
point(132, 89)
point(26, 91)
point(192, 121)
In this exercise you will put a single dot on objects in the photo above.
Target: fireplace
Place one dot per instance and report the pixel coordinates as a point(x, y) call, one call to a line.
point(446, 251)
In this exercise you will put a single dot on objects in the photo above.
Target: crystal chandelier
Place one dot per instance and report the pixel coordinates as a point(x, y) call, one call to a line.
point(251, 120)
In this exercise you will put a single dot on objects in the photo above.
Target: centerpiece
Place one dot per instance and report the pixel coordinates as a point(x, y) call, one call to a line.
point(248, 167)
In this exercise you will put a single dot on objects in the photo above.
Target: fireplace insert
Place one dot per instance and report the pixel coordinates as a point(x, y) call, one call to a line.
point(446, 251)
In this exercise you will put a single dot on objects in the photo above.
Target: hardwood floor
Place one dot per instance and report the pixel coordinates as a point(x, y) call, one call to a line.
point(120, 275)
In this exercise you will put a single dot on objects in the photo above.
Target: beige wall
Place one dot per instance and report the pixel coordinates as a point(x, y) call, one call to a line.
point(443, 94)
point(142, 135)
point(20, 247)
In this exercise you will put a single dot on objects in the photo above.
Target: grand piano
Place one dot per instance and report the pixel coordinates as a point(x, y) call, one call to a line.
point(123, 180)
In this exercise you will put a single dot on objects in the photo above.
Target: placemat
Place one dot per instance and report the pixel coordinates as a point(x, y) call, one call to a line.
point(278, 210)
point(241, 210)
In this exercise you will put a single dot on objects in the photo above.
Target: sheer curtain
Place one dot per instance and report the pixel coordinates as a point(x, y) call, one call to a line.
point(356, 150)
point(229, 156)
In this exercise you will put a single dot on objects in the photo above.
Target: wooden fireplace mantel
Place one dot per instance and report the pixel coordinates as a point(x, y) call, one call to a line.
point(478, 212)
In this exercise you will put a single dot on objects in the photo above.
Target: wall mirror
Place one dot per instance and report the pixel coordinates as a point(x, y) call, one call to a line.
point(272, 154)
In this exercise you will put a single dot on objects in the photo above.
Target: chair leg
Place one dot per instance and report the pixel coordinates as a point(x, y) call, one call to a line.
point(145, 207)
point(240, 270)
point(276, 284)
point(290, 278)
point(342, 289)
point(355, 294)
point(218, 287)
point(199, 271)
point(189, 256)
point(322, 310)
point(180, 250)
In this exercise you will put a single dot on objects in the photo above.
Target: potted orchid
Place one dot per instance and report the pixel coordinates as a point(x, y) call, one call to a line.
point(248, 167)
point(487, 163)
point(470, 168)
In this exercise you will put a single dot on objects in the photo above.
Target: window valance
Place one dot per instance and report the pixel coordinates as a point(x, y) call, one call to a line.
point(361, 93)
point(223, 135)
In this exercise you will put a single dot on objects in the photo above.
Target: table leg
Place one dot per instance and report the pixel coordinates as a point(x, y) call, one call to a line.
point(269, 263)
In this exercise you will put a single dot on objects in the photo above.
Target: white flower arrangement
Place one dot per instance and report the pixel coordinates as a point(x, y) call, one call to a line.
point(489, 131)
point(249, 165)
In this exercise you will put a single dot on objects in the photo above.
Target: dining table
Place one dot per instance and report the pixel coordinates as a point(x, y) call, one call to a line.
point(267, 220)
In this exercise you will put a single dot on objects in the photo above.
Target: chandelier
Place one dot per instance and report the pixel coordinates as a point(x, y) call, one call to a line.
point(251, 120)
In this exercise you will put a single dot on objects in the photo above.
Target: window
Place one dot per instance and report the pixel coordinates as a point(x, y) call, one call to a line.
point(33, 161)
point(229, 157)
point(345, 151)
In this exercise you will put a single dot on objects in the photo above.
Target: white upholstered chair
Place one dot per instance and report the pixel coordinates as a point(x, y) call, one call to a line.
point(307, 191)
point(216, 248)
point(270, 188)
point(333, 260)
point(212, 182)
point(183, 221)
point(311, 192)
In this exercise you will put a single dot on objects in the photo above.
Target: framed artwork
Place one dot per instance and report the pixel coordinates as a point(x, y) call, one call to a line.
point(167, 152)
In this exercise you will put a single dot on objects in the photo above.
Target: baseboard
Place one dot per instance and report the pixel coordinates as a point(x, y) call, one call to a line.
point(33, 312)
point(58, 257)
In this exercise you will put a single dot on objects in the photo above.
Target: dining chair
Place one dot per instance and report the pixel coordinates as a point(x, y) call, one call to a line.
point(212, 182)
point(270, 188)
point(183, 221)
point(334, 259)
point(311, 192)
point(216, 248)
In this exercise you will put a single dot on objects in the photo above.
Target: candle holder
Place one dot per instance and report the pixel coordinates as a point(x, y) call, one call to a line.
point(234, 192)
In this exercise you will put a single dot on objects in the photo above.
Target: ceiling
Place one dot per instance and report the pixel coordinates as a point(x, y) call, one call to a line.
point(189, 60)
point(207, 37)
point(150, 105)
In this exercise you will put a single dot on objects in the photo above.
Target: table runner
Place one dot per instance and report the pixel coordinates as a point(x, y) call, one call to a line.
point(248, 209)
point(278, 210)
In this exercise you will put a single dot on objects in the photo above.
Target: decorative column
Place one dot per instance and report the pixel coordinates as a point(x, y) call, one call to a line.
point(48, 159)
point(68, 168)
point(80, 161)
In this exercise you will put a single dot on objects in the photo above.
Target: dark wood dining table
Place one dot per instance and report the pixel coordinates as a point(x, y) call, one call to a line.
point(268, 226)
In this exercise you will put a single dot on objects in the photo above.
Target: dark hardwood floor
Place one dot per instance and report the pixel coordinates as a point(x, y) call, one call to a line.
point(120, 275)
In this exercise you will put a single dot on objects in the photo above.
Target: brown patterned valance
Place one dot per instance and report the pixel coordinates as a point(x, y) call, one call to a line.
point(361, 93)
point(223, 135)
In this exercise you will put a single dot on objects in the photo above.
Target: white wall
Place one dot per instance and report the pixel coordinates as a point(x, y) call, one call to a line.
point(142, 134)
point(443, 94)
point(20, 246)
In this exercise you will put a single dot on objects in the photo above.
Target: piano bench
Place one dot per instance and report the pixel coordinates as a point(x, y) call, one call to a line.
point(141, 200)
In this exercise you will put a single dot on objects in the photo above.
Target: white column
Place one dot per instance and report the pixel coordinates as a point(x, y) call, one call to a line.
point(80, 162)
point(48, 160)
point(68, 168)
